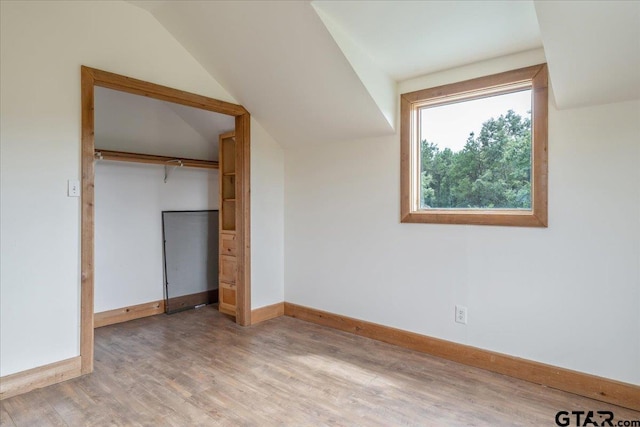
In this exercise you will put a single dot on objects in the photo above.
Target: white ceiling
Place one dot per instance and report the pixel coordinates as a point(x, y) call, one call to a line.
point(277, 60)
point(412, 38)
point(133, 123)
point(328, 71)
point(593, 50)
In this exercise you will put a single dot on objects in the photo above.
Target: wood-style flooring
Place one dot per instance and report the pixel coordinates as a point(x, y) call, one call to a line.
point(198, 368)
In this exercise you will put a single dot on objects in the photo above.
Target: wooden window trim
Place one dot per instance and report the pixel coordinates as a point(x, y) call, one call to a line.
point(410, 102)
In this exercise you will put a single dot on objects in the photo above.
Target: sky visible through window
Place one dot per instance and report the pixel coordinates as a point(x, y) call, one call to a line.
point(449, 125)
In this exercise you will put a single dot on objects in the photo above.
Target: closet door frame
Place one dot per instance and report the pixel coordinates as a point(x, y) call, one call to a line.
point(90, 78)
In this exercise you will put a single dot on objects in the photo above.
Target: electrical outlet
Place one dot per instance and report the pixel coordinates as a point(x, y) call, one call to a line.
point(461, 314)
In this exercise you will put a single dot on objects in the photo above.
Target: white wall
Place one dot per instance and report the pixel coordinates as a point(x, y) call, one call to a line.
point(129, 199)
point(43, 45)
point(267, 219)
point(566, 295)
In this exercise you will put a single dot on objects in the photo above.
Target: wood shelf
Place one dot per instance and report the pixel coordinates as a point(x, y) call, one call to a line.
point(227, 262)
point(123, 156)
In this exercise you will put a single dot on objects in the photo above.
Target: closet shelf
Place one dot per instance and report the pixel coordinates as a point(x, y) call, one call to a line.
point(123, 156)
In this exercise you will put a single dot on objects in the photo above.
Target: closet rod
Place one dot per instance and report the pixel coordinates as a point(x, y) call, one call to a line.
point(150, 158)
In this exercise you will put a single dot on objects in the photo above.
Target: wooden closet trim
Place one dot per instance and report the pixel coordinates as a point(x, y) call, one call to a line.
point(91, 77)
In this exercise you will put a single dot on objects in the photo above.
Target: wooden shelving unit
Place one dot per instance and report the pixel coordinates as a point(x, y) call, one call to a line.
point(228, 276)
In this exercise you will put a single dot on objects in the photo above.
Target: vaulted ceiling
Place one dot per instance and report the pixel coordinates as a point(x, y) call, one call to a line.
point(133, 123)
point(409, 39)
point(325, 71)
point(593, 50)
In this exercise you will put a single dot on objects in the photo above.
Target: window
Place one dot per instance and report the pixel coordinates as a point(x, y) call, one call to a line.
point(475, 152)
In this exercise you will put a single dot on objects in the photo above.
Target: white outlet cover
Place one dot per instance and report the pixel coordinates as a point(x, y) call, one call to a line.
point(461, 314)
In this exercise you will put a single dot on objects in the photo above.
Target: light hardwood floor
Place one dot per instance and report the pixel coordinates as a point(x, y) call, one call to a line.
point(199, 368)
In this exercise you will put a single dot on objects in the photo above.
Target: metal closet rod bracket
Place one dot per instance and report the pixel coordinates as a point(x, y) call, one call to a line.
point(166, 168)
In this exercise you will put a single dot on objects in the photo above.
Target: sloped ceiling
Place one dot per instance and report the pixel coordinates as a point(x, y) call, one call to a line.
point(326, 71)
point(593, 50)
point(412, 38)
point(278, 60)
point(132, 123)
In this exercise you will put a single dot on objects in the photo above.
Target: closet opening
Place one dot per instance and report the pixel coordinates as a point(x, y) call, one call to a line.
point(166, 167)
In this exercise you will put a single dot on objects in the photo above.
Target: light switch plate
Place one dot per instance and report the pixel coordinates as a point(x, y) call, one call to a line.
point(73, 188)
